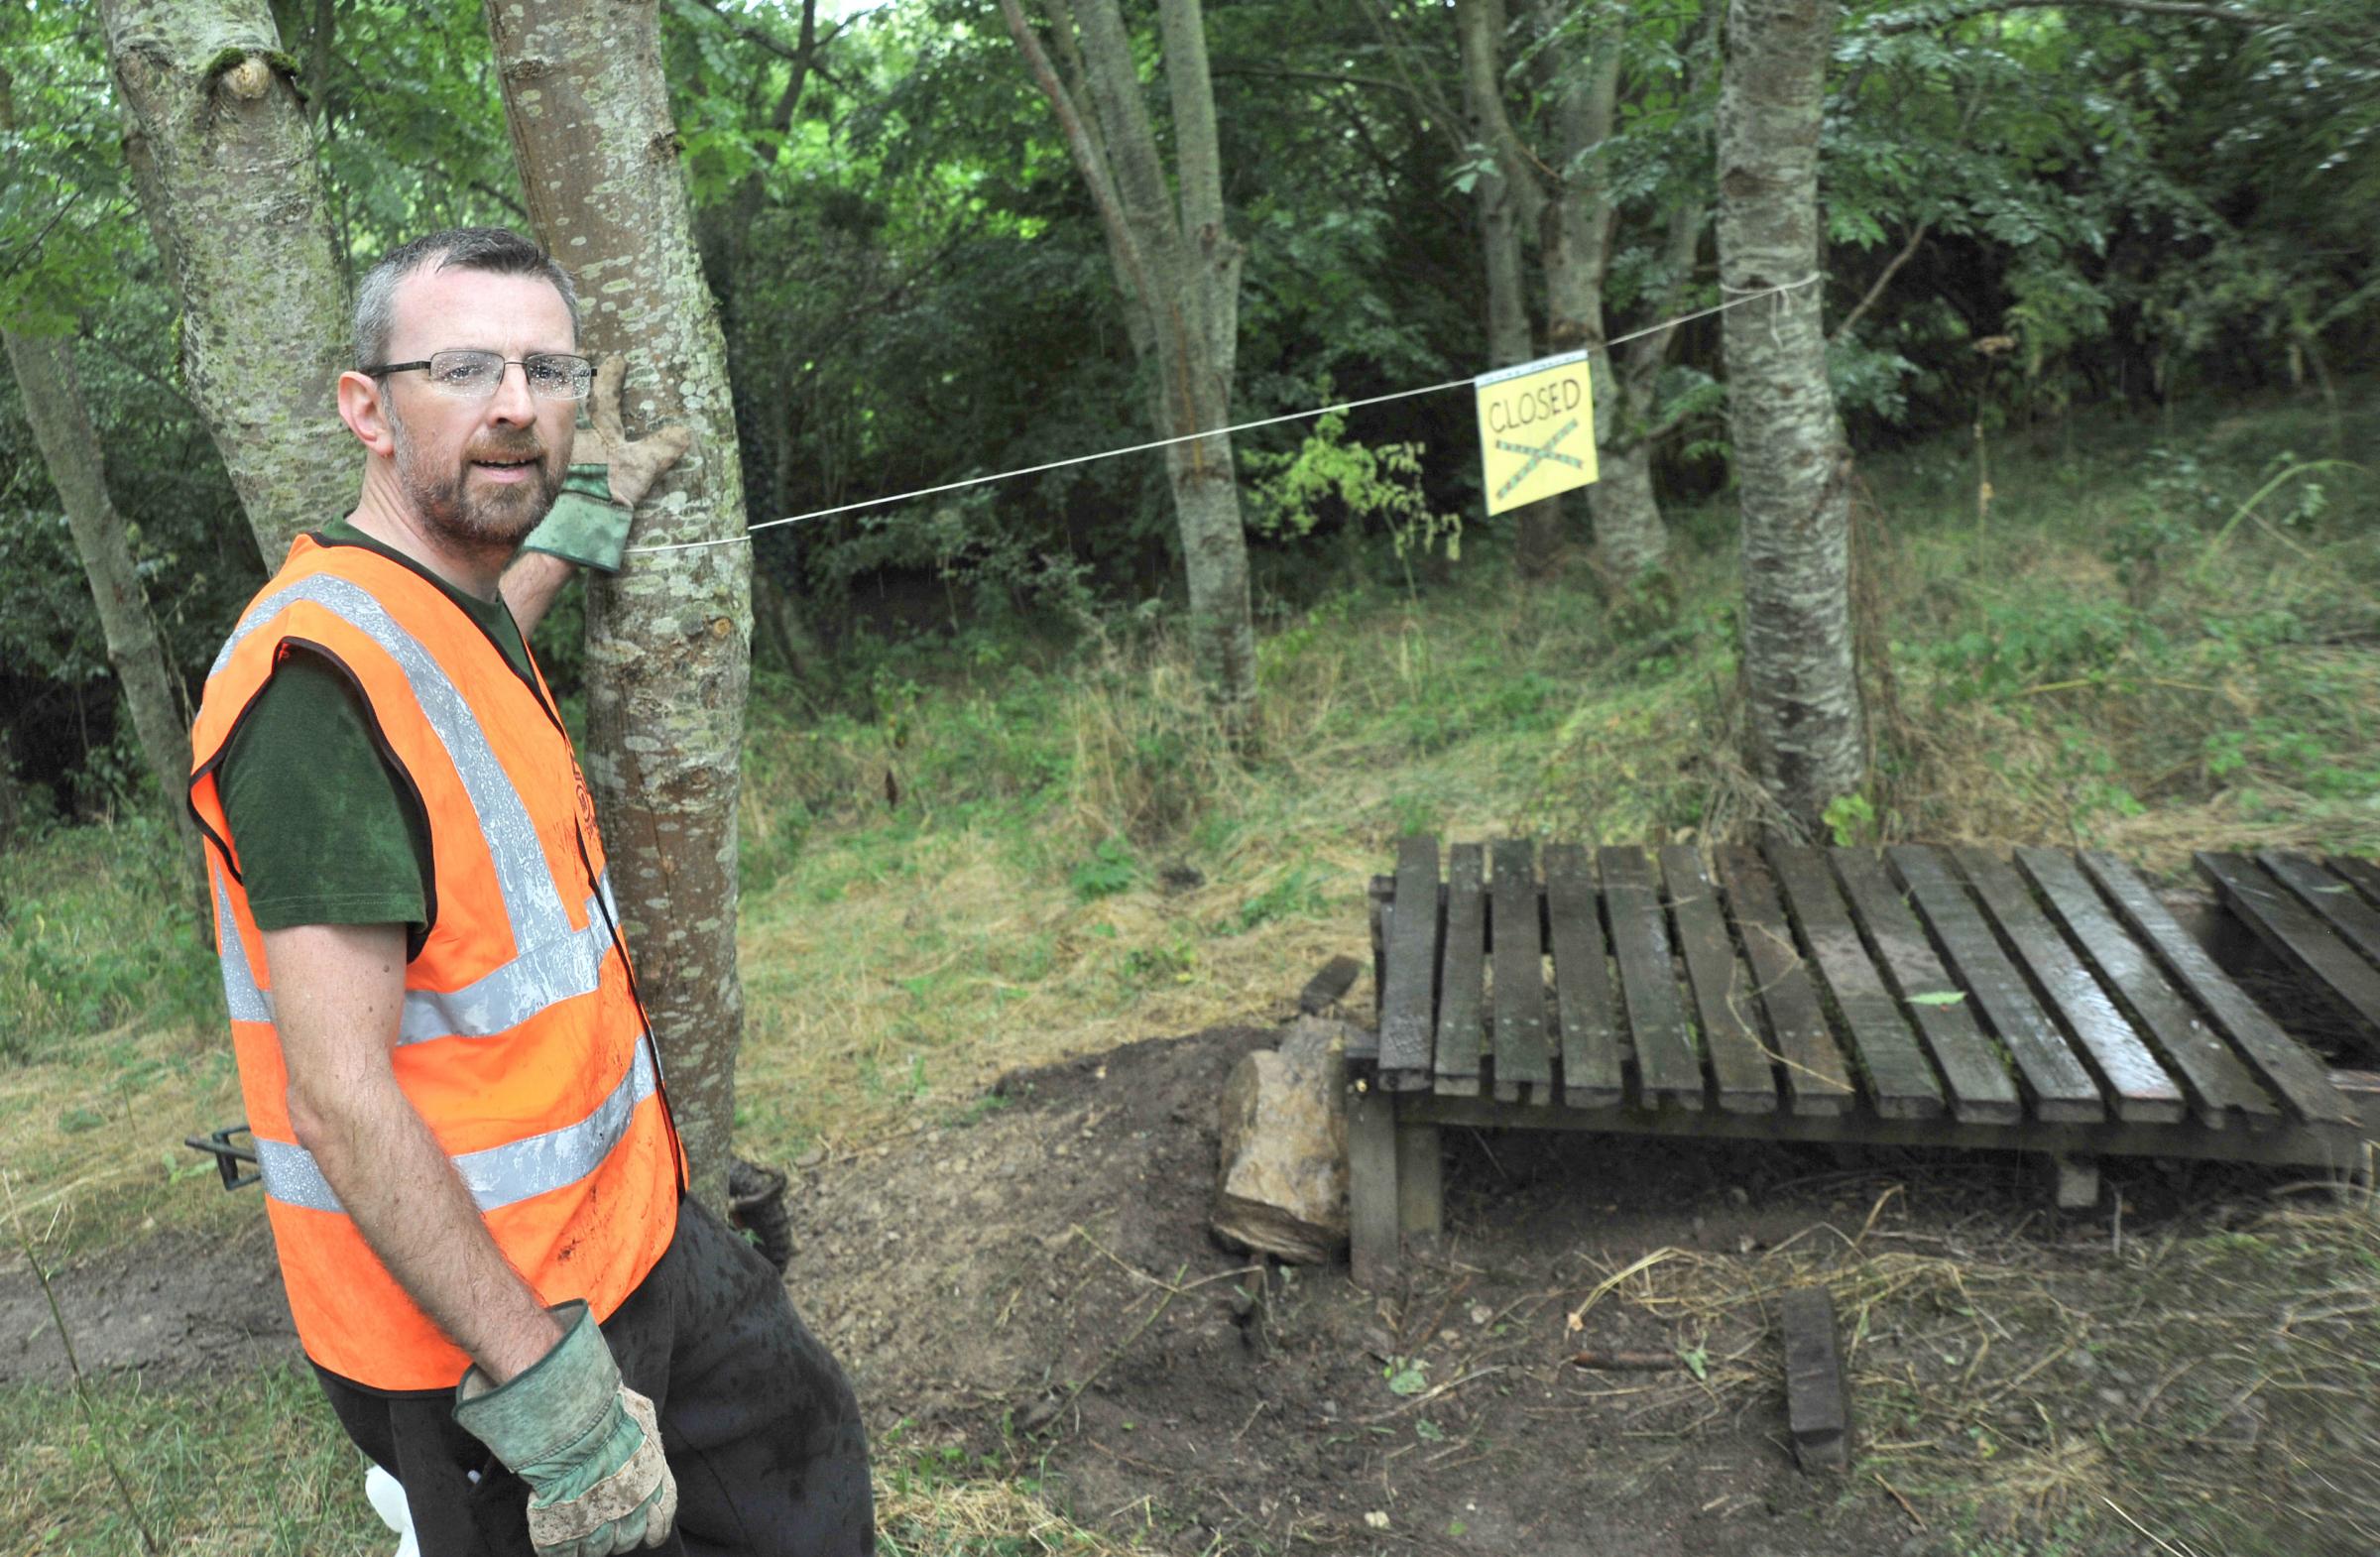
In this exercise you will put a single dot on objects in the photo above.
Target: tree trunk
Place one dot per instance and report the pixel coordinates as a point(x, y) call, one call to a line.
point(1577, 226)
point(669, 641)
point(224, 166)
point(1178, 269)
point(1508, 203)
point(61, 427)
point(1792, 464)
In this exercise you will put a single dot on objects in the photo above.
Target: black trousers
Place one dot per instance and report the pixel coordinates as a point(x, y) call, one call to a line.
point(759, 1425)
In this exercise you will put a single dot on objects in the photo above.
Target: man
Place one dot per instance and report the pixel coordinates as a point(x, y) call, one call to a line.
point(475, 1188)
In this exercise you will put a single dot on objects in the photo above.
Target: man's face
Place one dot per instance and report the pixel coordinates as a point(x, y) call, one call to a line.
point(478, 472)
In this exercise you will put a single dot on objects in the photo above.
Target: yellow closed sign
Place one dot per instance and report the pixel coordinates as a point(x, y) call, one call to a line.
point(1537, 430)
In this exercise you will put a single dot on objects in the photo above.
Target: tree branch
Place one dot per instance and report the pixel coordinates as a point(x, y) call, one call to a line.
point(1842, 329)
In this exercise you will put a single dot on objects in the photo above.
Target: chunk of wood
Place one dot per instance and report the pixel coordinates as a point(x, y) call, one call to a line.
point(1329, 986)
point(1817, 1402)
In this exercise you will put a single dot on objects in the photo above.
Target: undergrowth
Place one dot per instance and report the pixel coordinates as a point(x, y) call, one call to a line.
point(978, 856)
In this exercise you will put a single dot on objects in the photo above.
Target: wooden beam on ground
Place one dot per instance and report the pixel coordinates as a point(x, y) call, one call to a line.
point(1817, 1400)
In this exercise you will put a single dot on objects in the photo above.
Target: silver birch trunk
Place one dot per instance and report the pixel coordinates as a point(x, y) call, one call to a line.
point(1507, 203)
point(69, 445)
point(1792, 464)
point(1178, 269)
point(224, 167)
point(669, 641)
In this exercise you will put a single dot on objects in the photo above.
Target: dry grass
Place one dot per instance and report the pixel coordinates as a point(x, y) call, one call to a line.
point(2218, 1387)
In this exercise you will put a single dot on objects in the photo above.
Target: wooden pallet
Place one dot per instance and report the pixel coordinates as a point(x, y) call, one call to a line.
point(1918, 996)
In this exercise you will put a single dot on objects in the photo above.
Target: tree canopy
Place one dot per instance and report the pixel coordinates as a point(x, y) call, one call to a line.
point(2026, 207)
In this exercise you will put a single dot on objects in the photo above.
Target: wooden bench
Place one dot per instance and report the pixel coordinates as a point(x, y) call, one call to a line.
point(1920, 995)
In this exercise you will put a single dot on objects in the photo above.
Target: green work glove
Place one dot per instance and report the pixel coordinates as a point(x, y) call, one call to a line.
point(586, 523)
point(588, 1444)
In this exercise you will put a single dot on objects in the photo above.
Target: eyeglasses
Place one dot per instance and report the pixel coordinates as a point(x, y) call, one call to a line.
point(474, 375)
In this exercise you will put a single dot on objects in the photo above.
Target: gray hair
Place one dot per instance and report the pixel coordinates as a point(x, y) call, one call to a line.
point(497, 250)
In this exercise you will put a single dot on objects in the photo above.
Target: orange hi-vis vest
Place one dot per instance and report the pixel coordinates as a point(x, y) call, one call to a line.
point(521, 1041)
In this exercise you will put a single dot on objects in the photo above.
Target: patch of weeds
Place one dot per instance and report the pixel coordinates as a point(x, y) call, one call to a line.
point(1173, 961)
point(1296, 895)
point(1112, 869)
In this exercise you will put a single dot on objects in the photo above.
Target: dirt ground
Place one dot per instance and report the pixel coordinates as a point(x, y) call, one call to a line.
point(1035, 1284)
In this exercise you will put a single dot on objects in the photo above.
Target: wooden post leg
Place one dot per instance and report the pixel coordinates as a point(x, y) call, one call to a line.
point(1371, 1187)
point(2076, 1180)
point(1421, 1187)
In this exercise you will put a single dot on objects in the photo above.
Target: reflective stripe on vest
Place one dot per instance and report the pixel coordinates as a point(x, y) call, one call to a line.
point(502, 999)
point(500, 1176)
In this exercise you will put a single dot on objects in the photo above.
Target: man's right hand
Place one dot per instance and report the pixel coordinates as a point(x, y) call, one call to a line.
point(588, 1446)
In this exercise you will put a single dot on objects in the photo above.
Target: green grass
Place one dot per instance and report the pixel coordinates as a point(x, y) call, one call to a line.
point(996, 858)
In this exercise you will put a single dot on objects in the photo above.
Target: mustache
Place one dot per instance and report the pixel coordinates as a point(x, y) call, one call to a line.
point(506, 449)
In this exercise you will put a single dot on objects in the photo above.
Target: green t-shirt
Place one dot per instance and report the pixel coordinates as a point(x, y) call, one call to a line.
point(328, 832)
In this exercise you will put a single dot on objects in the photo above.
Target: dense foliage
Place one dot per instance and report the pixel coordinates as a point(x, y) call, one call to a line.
point(2029, 210)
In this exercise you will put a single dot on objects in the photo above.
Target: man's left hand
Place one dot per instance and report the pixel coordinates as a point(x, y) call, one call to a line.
point(633, 467)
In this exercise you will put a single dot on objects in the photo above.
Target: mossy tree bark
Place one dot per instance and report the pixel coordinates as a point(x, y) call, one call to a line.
point(1792, 464)
point(1177, 267)
point(669, 641)
point(223, 162)
point(69, 445)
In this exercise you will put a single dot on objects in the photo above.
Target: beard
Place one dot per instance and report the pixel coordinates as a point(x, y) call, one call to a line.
point(493, 516)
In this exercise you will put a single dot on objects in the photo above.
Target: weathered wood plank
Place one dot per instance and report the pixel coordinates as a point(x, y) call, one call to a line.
point(2055, 1078)
point(1408, 995)
point(1815, 1075)
point(2363, 874)
point(1462, 972)
point(2298, 935)
point(1740, 1070)
point(1900, 1080)
point(2331, 1147)
point(2219, 1082)
point(2136, 1084)
point(2287, 1066)
point(1523, 1071)
point(1373, 1243)
point(1589, 1038)
point(1666, 1064)
point(1979, 1085)
point(1817, 1401)
point(2351, 918)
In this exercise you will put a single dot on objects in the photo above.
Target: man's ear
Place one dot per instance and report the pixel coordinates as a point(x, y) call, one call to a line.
point(366, 412)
